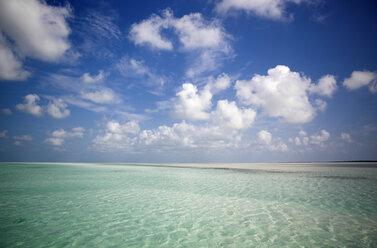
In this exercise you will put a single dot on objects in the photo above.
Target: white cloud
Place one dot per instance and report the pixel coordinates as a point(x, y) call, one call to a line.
point(191, 104)
point(58, 109)
point(265, 137)
point(102, 96)
point(359, 79)
point(227, 114)
point(319, 138)
point(273, 9)
point(3, 134)
point(30, 105)
point(38, 30)
point(58, 137)
point(149, 32)
point(178, 137)
point(6, 111)
point(346, 137)
point(17, 143)
point(130, 67)
point(320, 104)
point(302, 133)
point(222, 82)
point(302, 139)
point(206, 37)
point(117, 136)
point(193, 31)
point(87, 78)
point(282, 93)
point(131, 127)
point(326, 86)
point(268, 143)
point(25, 137)
point(10, 64)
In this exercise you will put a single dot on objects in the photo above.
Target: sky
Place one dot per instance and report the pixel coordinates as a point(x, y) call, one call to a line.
point(188, 81)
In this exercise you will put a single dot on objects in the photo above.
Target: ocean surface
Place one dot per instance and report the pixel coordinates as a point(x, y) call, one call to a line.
point(120, 205)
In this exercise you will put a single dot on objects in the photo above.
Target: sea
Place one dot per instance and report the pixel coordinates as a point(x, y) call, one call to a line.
point(217, 205)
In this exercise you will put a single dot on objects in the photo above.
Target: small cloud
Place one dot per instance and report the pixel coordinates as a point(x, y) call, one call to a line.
point(57, 109)
point(30, 105)
point(346, 137)
point(320, 138)
point(359, 79)
point(17, 143)
point(6, 111)
point(102, 96)
point(320, 104)
point(264, 137)
point(87, 78)
point(58, 137)
point(3, 134)
point(326, 86)
point(23, 137)
point(275, 9)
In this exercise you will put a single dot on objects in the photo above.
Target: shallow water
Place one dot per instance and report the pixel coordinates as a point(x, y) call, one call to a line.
point(66, 205)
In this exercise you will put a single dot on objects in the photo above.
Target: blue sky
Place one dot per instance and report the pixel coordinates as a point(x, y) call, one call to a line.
point(188, 81)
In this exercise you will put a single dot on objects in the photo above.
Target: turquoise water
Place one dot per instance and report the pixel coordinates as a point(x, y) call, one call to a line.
point(57, 205)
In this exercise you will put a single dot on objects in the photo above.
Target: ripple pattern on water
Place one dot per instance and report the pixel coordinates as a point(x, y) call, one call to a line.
point(66, 206)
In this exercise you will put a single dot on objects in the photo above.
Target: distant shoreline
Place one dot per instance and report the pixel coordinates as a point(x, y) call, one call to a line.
point(225, 166)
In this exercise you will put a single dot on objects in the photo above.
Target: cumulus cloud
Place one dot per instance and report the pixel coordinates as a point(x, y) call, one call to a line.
point(302, 139)
point(42, 31)
point(30, 105)
point(222, 82)
point(131, 127)
point(346, 137)
point(267, 142)
point(58, 109)
point(194, 104)
point(35, 30)
point(320, 138)
point(326, 86)
point(229, 115)
point(281, 93)
point(359, 79)
point(3, 134)
point(58, 137)
point(117, 136)
point(10, 63)
point(194, 32)
point(191, 104)
point(179, 136)
point(25, 137)
point(272, 9)
point(102, 96)
point(87, 78)
point(184, 135)
point(265, 137)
